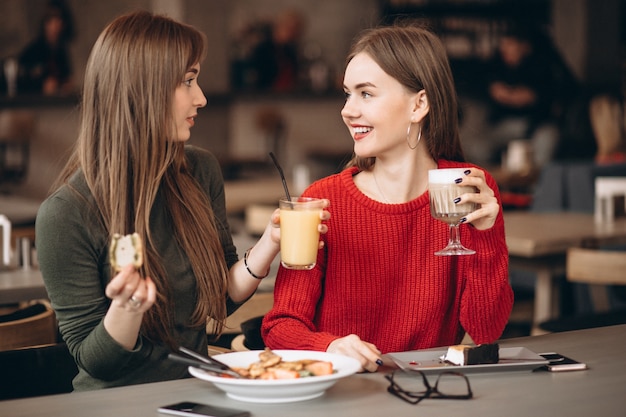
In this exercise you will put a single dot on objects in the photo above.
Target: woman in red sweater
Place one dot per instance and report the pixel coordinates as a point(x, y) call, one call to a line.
point(377, 286)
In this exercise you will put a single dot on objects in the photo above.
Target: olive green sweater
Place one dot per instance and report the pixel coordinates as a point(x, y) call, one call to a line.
point(72, 248)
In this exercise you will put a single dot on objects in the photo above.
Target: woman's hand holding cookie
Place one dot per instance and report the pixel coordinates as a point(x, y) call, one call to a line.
point(130, 291)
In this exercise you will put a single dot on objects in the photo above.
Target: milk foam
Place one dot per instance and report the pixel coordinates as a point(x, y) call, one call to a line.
point(445, 175)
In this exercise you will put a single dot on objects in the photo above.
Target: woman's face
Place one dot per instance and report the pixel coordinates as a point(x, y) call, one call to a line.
point(188, 97)
point(53, 27)
point(378, 108)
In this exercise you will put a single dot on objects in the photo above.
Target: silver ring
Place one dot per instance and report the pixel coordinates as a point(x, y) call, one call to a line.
point(134, 302)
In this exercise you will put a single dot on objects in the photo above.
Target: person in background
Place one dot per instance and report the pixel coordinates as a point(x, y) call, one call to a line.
point(269, 54)
point(44, 65)
point(132, 171)
point(378, 287)
point(607, 121)
point(527, 85)
point(286, 35)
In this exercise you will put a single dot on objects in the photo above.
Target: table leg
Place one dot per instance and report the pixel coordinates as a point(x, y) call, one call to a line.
point(546, 300)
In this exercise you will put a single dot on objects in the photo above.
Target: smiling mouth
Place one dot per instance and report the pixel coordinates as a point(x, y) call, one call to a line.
point(361, 131)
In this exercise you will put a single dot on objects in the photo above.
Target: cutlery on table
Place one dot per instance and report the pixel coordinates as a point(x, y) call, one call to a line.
point(203, 362)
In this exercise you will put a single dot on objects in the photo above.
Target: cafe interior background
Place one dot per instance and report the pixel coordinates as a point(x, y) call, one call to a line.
point(301, 122)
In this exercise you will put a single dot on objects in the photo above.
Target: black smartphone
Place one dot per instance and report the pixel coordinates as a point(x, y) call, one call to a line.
point(191, 409)
point(559, 363)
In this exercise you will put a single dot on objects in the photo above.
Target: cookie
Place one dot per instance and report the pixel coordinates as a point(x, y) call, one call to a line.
point(125, 250)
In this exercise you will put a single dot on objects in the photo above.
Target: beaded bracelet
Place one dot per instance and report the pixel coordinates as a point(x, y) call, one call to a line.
point(245, 262)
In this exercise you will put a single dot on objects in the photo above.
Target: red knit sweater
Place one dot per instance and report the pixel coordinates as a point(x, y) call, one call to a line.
point(378, 277)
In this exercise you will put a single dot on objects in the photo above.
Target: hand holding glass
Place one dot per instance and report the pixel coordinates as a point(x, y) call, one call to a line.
point(443, 190)
point(299, 233)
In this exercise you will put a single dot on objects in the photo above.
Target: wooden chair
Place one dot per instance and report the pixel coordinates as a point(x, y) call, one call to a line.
point(599, 269)
point(33, 326)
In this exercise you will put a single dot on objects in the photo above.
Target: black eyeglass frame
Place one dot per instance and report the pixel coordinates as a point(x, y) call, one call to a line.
point(432, 391)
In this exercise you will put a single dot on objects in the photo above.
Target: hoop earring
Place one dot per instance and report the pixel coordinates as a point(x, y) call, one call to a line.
point(408, 137)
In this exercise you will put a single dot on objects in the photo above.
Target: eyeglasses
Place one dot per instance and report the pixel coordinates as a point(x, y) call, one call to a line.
point(412, 386)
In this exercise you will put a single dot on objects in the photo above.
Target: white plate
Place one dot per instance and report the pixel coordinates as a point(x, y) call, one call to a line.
point(278, 391)
point(427, 361)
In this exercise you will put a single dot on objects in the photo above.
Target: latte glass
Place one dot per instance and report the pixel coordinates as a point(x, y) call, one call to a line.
point(442, 191)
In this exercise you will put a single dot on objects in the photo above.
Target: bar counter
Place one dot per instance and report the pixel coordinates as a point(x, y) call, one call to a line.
point(598, 391)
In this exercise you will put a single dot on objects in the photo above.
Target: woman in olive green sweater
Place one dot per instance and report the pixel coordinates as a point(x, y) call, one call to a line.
point(131, 171)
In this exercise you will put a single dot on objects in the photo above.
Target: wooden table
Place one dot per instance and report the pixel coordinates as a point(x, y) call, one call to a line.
point(19, 285)
point(538, 242)
point(598, 391)
point(242, 193)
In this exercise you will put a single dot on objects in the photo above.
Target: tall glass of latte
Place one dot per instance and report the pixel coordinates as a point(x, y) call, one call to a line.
point(443, 190)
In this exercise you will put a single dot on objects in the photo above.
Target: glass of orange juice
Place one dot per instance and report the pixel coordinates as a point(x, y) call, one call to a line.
point(299, 234)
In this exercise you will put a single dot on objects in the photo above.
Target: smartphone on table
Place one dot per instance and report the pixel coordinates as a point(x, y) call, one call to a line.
point(559, 363)
point(192, 409)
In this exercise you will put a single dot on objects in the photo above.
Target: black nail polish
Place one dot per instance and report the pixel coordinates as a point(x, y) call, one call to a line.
point(458, 180)
point(463, 220)
point(467, 172)
point(379, 362)
point(456, 200)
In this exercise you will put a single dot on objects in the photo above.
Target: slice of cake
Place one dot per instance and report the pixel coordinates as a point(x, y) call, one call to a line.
point(472, 355)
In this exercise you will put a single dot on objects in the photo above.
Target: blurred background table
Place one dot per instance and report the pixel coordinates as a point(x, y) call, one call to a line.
point(18, 285)
point(538, 242)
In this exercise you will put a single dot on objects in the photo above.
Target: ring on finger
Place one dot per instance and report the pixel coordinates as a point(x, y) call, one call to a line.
point(134, 302)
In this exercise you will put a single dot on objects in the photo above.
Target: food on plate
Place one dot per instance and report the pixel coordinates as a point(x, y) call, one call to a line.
point(472, 355)
point(272, 366)
point(125, 250)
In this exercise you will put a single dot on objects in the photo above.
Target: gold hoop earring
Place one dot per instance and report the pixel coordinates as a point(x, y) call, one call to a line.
point(408, 137)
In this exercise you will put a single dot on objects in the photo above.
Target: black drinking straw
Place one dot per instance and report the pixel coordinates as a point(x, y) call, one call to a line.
point(282, 176)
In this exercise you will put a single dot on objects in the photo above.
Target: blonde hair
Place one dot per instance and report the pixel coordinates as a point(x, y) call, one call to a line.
point(417, 59)
point(126, 154)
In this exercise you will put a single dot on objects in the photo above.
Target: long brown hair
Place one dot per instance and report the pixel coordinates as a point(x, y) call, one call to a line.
point(417, 59)
point(126, 154)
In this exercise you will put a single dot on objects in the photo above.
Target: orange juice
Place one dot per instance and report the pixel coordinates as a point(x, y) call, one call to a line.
point(299, 235)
